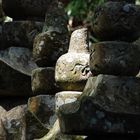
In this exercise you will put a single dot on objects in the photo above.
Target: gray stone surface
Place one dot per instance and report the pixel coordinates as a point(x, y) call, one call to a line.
point(115, 58)
point(53, 42)
point(43, 81)
point(60, 99)
point(110, 107)
point(34, 128)
point(43, 107)
point(19, 59)
point(65, 97)
point(72, 69)
point(117, 21)
point(114, 93)
point(15, 70)
point(2, 130)
point(40, 116)
point(56, 20)
point(20, 33)
point(79, 41)
point(14, 123)
point(25, 9)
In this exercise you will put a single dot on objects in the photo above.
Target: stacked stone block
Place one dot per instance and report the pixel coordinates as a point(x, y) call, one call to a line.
point(30, 47)
point(47, 48)
point(15, 52)
point(109, 103)
point(71, 74)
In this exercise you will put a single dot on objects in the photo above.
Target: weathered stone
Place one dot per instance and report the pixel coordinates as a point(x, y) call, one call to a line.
point(55, 134)
point(34, 128)
point(56, 20)
point(89, 87)
point(53, 42)
point(13, 82)
point(115, 58)
point(42, 50)
point(40, 116)
point(60, 99)
point(27, 9)
point(2, 130)
point(110, 107)
point(43, 81)
point(72, 69)
point(79, 41)
point(43, 107)
point(117, 21)
point(20, 33)
point(19, 59)
point(46, 49)
point(14, 123)
point(65, 97)
point(115, 94)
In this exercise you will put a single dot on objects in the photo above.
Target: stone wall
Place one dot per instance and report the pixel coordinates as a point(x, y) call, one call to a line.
point(53, 86)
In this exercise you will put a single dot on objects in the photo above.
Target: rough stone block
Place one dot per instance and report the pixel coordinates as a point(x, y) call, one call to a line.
point(62, 98)
point(117, 21)
point(56, 20)
point(43, 81)
point(2, 130)
point(115, 58)
point(53, 42)
point(19, 59)
point(20, 33)
point(14, 123)
point(43, 107)
point(40, 116)
point(47, 48)
point(65, 97)
point(111, 107)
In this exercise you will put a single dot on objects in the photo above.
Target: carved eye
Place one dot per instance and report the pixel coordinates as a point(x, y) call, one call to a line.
point(85, 70)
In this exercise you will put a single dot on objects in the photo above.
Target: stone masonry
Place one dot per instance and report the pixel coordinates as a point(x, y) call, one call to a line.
point(55, 86)
point(110, 102)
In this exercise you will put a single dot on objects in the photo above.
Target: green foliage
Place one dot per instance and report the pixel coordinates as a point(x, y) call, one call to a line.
point(82, 12)
point(80, 9)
